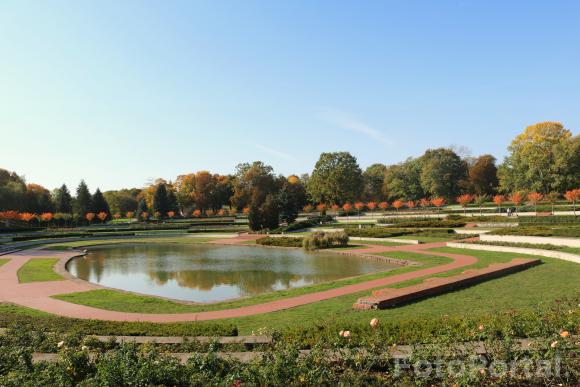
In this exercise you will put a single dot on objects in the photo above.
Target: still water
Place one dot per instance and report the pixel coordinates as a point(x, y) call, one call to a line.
point(209, 273)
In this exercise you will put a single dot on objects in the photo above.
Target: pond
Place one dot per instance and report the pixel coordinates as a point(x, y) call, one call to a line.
point(210, 273)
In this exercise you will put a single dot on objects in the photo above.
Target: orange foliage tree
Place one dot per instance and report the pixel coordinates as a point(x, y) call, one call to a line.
point(410, 204)
point(308, 208)
point(144, 215)
point(383, 205)
point(424, 203)
point(27, 217)
point(498, 200)
point(90, 216)
point(335, 208)
point(197, 213)
point(438, 202)
point(47, 217)
point(517, 198)
point(397, 204)
point(464, 200)
point(9, 215)
point(347, 207)
point(535, 198)
point(221, 212)
point(371, 206)
point(359, 206)
point(321, 207)
point(573, 196)
point(117, 215)
point(130, 214)
point(171, 214)
point(246, 211)
point(102, 216)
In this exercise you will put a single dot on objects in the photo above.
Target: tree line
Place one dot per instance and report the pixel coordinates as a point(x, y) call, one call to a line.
point(543, 159)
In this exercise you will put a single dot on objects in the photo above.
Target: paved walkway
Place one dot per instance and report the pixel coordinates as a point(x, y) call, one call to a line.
point(38, 295)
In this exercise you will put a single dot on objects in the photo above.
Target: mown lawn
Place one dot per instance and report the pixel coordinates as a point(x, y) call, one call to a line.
point(128, 302)
point(3, 261)
point(86, 243)
point(38, 270)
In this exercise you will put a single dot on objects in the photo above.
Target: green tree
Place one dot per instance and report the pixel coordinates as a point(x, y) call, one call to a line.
point(172, 201)
point(374, 179)
point(63, 200)
point(542, 158)
point(336, 178)
point(160, 204)
point(83, 201)
point(442, 172)
point(404, 180)
point(99, 203)
point(291, 198)
point(141, 208)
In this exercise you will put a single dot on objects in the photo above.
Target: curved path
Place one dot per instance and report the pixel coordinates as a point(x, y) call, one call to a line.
point(37, 295)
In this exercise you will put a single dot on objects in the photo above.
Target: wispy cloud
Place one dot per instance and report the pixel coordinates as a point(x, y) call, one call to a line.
point(273, 152)
point(345, 121)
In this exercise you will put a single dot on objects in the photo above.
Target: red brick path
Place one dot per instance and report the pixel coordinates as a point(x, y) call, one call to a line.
point(37, 295)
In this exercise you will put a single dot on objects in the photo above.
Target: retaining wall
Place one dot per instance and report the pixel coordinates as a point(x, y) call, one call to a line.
point(570, 242)
point(520, 250)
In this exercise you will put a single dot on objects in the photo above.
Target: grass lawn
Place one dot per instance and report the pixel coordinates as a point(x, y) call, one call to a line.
point(554, 279)
point(168, 239)
point(38, 270)
point(429, 239)
point(3, 261)
point(573, 250)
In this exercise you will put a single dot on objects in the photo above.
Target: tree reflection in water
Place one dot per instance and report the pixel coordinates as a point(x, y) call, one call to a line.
point(208, 273)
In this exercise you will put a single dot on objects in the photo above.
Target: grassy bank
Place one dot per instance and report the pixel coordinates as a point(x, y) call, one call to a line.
point(38, 270)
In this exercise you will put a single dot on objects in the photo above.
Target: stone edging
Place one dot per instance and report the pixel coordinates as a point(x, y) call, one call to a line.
point(521, 250)
point(570, 242)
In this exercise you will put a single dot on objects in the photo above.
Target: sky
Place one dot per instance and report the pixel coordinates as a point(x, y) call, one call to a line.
point(122, 92)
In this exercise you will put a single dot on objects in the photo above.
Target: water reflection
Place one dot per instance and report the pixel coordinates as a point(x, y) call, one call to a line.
point(208, 273)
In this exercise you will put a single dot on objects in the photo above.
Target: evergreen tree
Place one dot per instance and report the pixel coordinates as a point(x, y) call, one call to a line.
point(141, 208)
point(99, 203)
point(84, 202)
point(160, 203)
point(63, 200)
point(172, 201)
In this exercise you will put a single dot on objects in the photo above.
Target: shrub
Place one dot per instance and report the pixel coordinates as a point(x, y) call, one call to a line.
point(428, 223)
point(541, 231)
point(281, 242)
point(322, 240)
point(311, 221)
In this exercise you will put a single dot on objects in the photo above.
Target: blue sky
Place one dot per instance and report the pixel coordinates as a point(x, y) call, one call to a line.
point(118, 92)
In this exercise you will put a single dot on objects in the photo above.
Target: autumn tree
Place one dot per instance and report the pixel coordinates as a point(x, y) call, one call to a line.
point(27, 217)
point(102, 216)
point(534, 198)
point(308, 208)
point(410, 204)
point(464, 201)
point(383, 206)
point(544, 158)
point(336, 178)
point(573, 196)
point(130, 214)
point(335, 208)
point(37, 199)
point(347, 207)
point(89, 216)
point(516, 198)
point(498, 200)
point(438, 202)
point(372, 206)
point(397, 204)
point(424, 203)
point(47, 217)
point(321, 208)
point(117, 216)
point(483, 175)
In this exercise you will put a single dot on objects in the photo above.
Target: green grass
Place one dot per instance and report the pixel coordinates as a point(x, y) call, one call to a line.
point(3, 261)
point(429, 239)
point(169, 239)
point(573, 250)
point(554, 279)
point(38, 270)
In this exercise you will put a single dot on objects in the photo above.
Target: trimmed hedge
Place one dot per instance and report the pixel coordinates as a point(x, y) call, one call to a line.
point(310, 222)
point(432, 223)
point(280, 242)
point(541, 231)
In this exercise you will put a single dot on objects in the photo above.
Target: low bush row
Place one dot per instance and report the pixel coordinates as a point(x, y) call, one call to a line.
point(312, 221)
point(542, 231)
point(542, 246)
point(325, 240)
point(280, 242)
point(433, 223)
point(557, 219)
